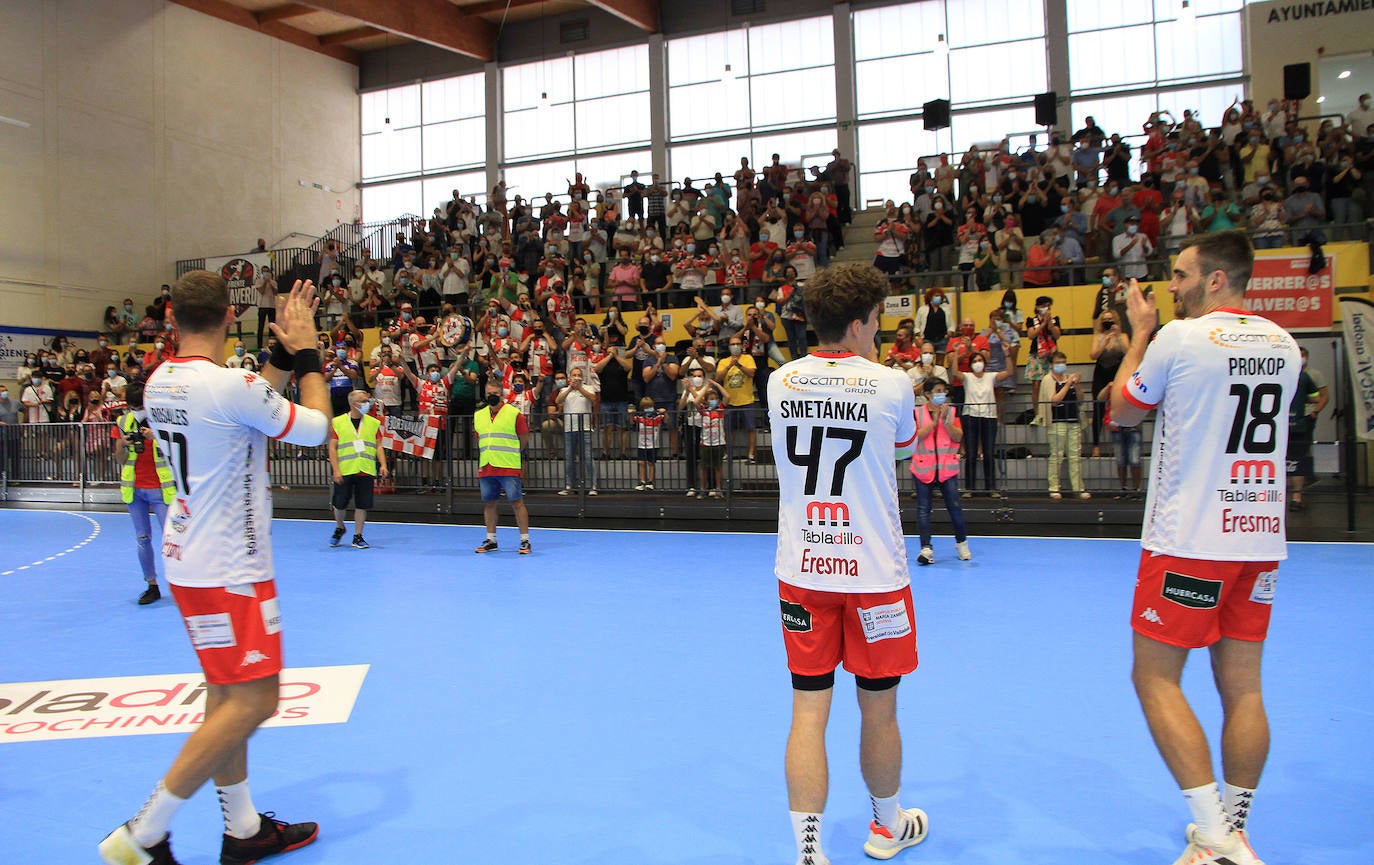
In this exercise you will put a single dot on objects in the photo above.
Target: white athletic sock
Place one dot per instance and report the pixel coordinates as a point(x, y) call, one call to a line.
point(1237, 801)
point(149, 826)
point(885, 811)
point(525, 536)
point(807, 829)
point(241, 819)
point(491, 536)
point(1205, 803)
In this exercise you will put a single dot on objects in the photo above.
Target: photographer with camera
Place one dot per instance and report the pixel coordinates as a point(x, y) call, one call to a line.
point(145, 483)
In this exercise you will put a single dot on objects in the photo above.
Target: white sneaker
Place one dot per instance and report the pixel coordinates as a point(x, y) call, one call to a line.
point(648, 486)
point(691, 492)
point(964, 554)
point(1233, 850)
point(593, 492)
point(927, 556)
point(884, 843)
point(639, 488)
point(566, 491)
point(120, 848)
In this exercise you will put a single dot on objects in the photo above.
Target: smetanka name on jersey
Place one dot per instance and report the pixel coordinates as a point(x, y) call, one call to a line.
point(824, 409)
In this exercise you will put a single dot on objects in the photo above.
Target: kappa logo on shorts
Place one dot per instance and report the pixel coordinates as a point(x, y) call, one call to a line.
point(253, 656)
point(795, 617)
point(1191, 592)
point(1152, 615)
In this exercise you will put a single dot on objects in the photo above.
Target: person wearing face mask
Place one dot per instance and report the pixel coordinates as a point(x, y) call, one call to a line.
point(736, 373)
point(235, 360)
point(9, 432)
point(1109, 347)
point(432, 397)
point(343, 376)
point(710, 409)
point(697, 385)
point(937, 239)
point(933, 319)
point(648, 423)
point(1266, 218)
point(924, 370)
point(1131, 249)
point(935, 465)
point(502, 436)
point(1043, 330)
point(578, 400)
point(145, 484)
point(1342, 184)
point(1059, 406)
point(357, 459)
point(163, 348)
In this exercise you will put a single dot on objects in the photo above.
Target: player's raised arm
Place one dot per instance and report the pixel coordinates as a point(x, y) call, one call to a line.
point(296, 352)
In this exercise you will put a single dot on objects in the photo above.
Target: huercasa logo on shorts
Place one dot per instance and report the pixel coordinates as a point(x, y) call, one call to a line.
point(1191, 592)
point(795, 617)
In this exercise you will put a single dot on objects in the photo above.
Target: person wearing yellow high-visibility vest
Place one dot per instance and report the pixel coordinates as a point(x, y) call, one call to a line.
point(145, 483)
point(357, 457)
point(502, 432)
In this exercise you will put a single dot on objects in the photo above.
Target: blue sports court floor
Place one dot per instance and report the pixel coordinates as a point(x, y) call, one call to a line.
point(621, 699)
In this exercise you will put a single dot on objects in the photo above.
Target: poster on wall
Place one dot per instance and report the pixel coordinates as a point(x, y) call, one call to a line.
point(1357, 323)
point(1282, 290)
point(241, 272)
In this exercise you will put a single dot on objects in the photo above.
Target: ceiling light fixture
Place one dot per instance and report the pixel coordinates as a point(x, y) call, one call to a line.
point(1344, 75)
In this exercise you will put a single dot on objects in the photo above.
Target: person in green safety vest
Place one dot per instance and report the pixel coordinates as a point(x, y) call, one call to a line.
point(502, 434)
point(357, 457)
point(145, 484)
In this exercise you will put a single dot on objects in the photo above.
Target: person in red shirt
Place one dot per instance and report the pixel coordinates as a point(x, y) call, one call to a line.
point(144, 492)
point(432, 393)
point(904, 353)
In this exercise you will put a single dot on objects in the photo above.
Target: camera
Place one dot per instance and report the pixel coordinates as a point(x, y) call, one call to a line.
point(139, 443)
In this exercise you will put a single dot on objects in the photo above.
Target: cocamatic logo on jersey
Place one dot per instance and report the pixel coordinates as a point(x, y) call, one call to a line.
point(1234, 339)
point(1190, 591)
point(1254, 472)
point(807, 382)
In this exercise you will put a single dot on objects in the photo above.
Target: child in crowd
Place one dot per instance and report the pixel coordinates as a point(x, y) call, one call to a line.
point(648, 421)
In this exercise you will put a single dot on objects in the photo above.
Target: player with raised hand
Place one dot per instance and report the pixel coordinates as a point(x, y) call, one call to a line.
point(839, 420)
point(213, 423)
point(1222, 379)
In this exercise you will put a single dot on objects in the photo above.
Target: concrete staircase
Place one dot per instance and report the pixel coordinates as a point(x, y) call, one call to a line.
point(859, 244)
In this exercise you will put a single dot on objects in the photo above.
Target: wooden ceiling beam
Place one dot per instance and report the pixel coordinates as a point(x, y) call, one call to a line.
point(641, 13)
point(349, 35)
point(281, 13)
point(433, 22)
point(276, 29)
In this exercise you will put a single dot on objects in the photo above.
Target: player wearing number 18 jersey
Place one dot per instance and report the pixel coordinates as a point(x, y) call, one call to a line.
point(838, 420)
point(1222, 380)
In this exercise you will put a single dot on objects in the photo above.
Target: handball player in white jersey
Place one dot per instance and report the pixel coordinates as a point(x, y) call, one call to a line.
point(213, 423)
point(839, 421)
point(1222, 380)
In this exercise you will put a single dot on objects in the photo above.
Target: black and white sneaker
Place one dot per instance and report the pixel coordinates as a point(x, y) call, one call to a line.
point(120, 848)
point(487, 546)
point(335, 538)
point(884, 843)
point(525, 548)
point(359, 543)
point(275, 836)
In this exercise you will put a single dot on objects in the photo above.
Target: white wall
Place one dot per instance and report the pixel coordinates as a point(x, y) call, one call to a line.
point(158, 133)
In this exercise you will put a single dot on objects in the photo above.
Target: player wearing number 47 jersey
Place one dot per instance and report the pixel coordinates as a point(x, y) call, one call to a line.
point(839, 419)
point(213, 424)
point(1222, 380)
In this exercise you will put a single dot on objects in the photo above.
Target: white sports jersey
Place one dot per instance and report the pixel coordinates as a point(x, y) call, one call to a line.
point(836, 418)
point(1223, 383)
point(213, 424)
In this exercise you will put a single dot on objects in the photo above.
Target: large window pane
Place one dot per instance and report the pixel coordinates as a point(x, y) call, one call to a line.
point(532, 181)
point(696, 59)
point(990, 127)
point(1099, 61)
point(791, 45)
point(400, 104)
point(1207, 103)
point(601, 172)
point(887, 155)
point(454, 98)
point(540, 131)
point(895, 30)
point(459, 142)
point(793, 148)
point(439, 190)
point(616, 121)
point(702, 161)
point(790, 98)
point(388, 154)
point(526, 85)
point(1211, 46)
point(1096, 15)
point(985, 22)
point(391, 200)
point(886, 85)
point(1166, 10)
point(997, 72)
point(703, 109)
point(610, 73)
point(1116, 114)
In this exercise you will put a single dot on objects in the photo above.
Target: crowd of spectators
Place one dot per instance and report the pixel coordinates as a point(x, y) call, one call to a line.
point(561, 304)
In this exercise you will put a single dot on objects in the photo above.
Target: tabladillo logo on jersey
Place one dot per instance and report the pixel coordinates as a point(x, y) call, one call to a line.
point(805, 382)
point(1244, 339)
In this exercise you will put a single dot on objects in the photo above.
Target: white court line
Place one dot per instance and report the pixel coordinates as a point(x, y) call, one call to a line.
point(95, 530)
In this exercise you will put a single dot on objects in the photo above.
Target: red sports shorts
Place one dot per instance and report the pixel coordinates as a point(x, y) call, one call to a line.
point(236, 631)
point(873, 634)
point(1192, 603)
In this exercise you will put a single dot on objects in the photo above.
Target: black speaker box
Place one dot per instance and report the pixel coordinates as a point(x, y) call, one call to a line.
point(936, 114)
point(1297, 81)
point(1046, 109)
